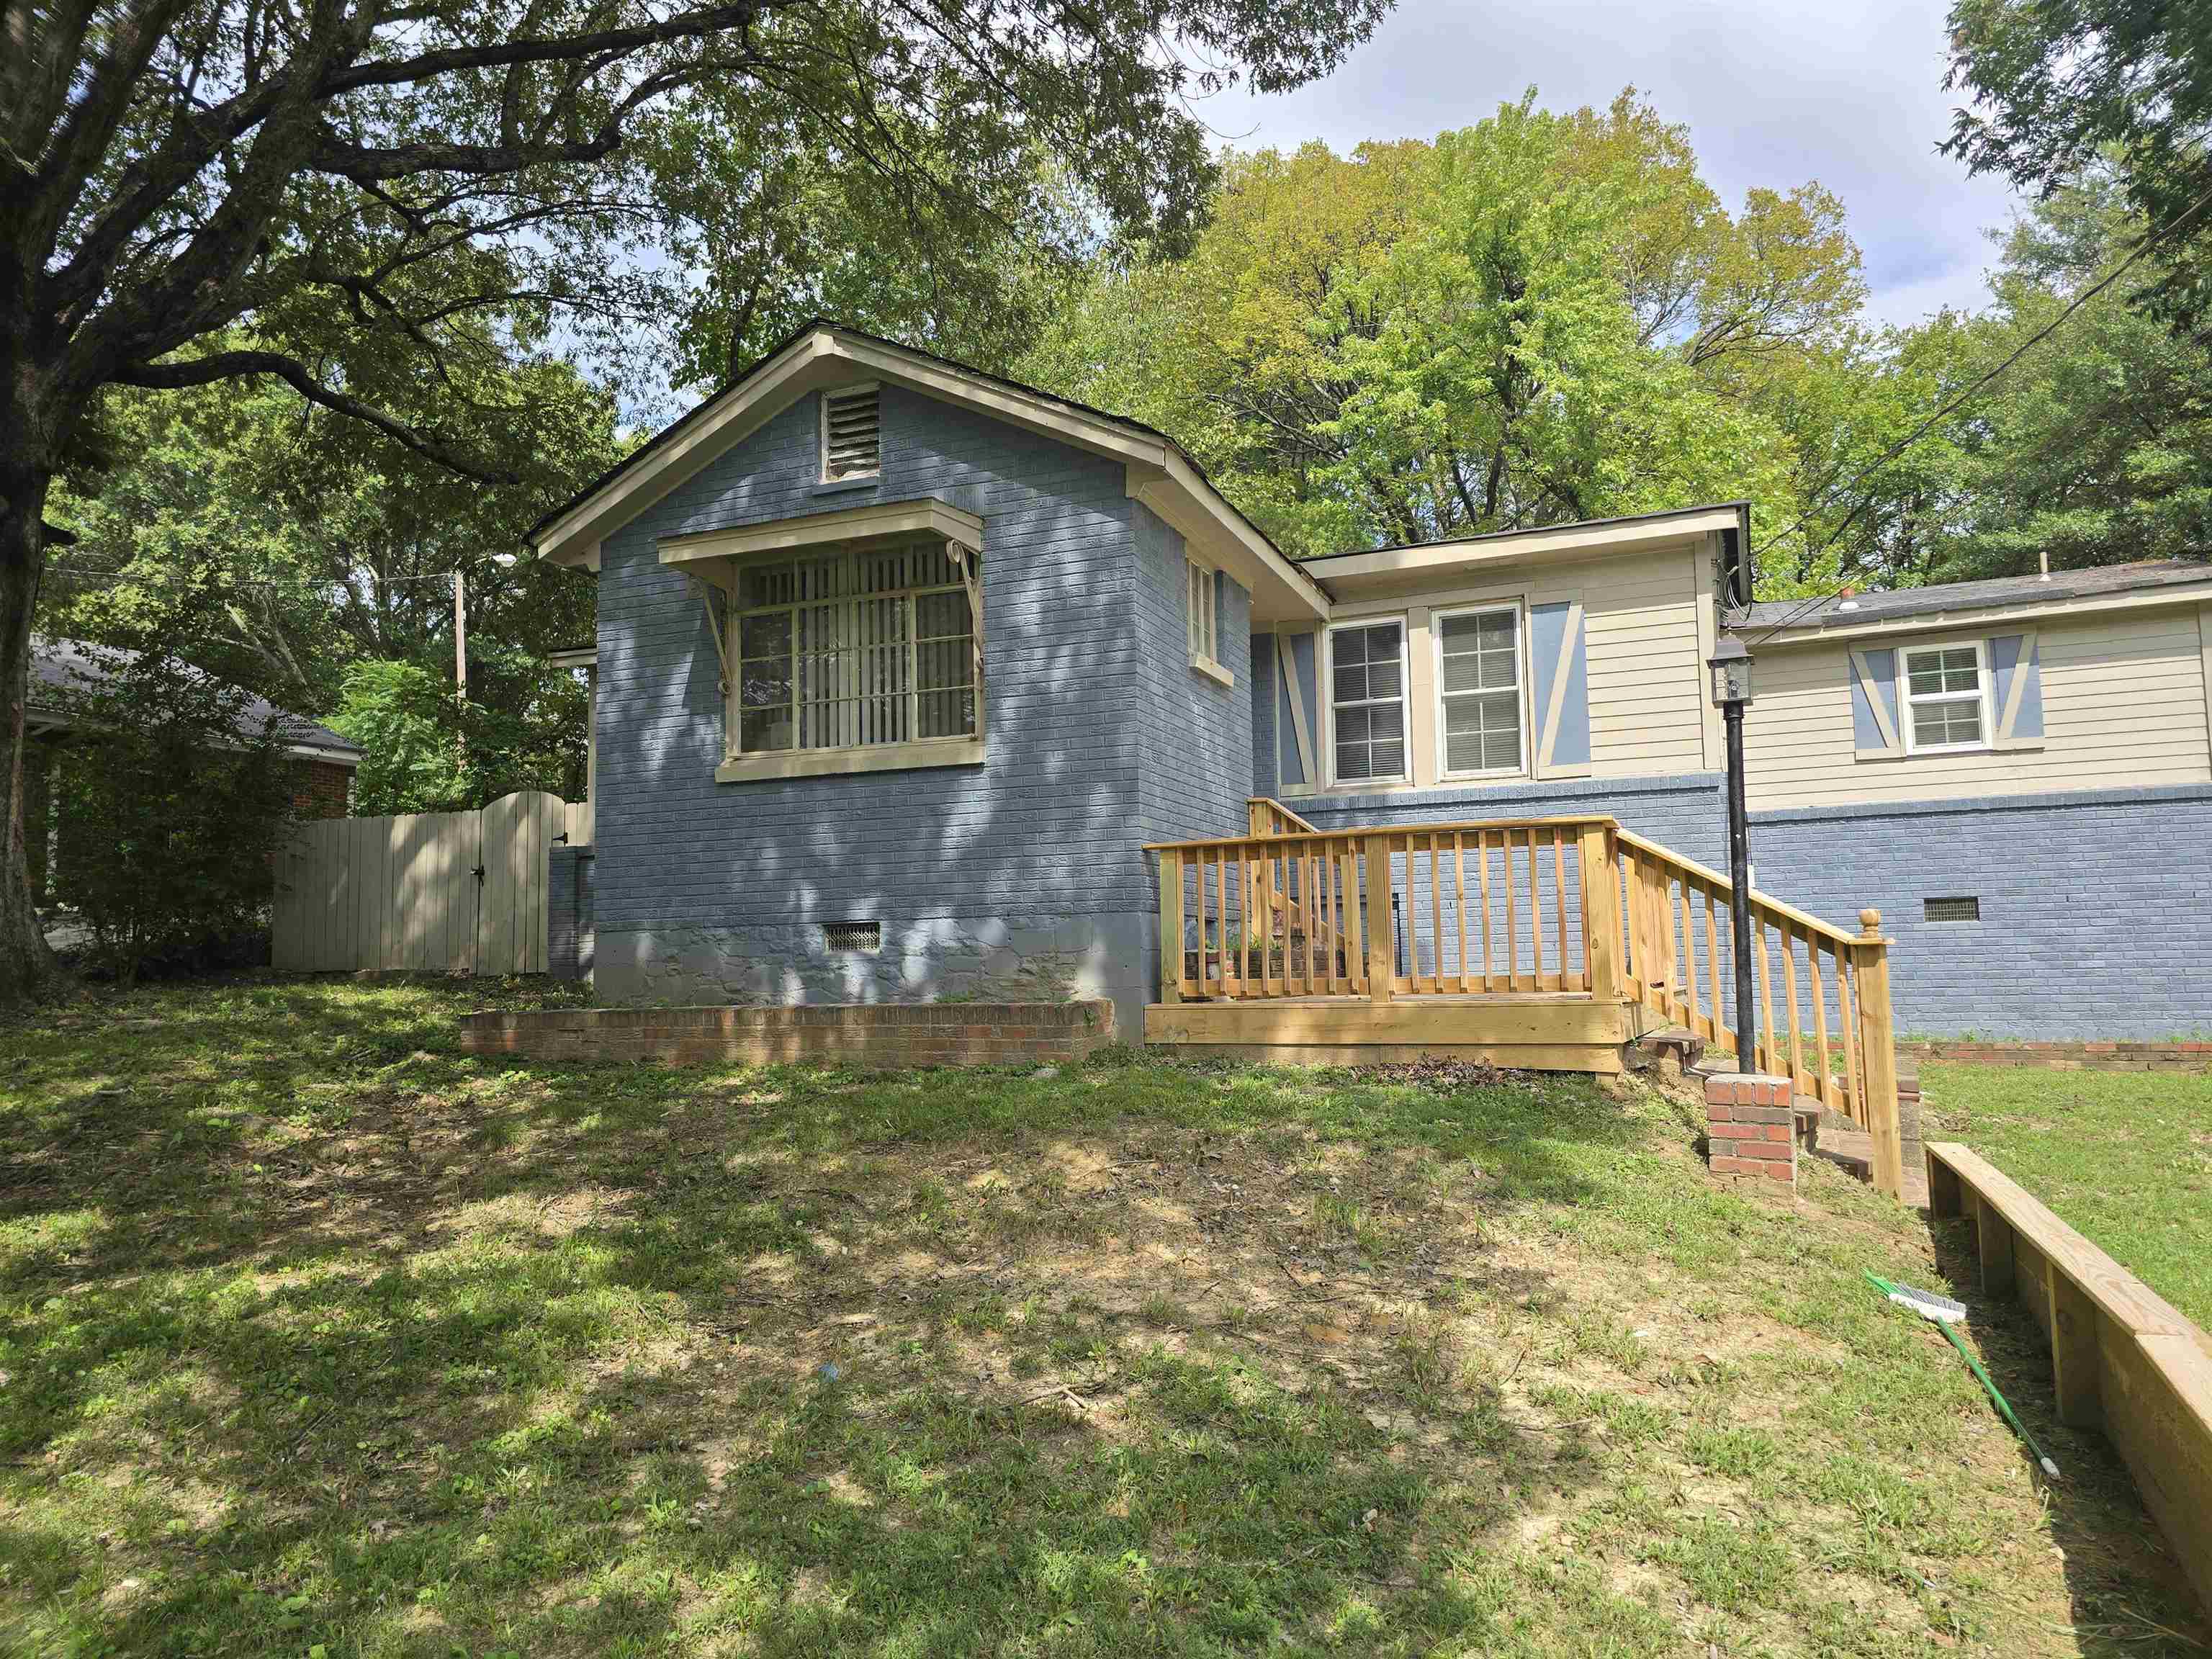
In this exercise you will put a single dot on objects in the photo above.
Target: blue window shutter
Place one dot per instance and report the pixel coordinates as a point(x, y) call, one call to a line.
point(1297, 715)
point(1558, 653)
point(1876, 733)
point(2016, 665)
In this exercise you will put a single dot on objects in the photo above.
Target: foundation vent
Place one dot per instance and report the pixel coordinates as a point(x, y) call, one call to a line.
point(851, 936)
point(1964, 909)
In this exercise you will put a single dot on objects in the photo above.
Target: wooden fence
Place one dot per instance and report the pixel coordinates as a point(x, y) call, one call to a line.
point(440, 892)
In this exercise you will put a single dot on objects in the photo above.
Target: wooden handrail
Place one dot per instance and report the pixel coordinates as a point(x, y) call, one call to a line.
point(1359, 832)
point(1532, 901)
point(1662, 973)
point(1265, 815)
point(1789, 913)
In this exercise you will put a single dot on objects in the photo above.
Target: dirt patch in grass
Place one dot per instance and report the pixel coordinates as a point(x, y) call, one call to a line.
point(321, 1334)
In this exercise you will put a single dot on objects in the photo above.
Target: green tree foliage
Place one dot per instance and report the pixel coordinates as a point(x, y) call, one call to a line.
point(2061, 87)
point(373, 205)
point(276, 543)
point(172, 802)
point(424, 752)
point(2094, 448)
point(1540, 319)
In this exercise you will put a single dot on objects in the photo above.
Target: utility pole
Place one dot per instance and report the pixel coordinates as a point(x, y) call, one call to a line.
point(460, 662)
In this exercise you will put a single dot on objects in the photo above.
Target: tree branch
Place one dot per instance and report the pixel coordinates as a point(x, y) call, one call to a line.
point(234, 365)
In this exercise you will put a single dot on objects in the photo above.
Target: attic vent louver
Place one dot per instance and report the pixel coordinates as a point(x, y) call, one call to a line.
point(852, 435)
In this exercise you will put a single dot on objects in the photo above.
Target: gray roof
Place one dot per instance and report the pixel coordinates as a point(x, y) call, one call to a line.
point(61, 666)
point(2101, 582)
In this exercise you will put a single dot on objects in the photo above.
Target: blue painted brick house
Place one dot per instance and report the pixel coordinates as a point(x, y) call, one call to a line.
point(901, 666)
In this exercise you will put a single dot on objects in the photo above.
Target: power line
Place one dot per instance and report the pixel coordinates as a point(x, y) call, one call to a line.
point(1921, 431)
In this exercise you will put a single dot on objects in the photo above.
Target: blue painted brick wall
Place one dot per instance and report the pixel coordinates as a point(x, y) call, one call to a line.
point(1098, 735)
point(2096, 909)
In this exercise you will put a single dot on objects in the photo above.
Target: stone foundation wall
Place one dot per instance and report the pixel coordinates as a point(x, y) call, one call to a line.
point(923, 960)
point(891, 1035)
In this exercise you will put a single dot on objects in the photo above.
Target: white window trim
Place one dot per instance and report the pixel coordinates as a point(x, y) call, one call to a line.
point(1982, 687)
point(1515, 609)
point(1205, 655)
point(739, 765)
point(1328, 700)
point(822, 435)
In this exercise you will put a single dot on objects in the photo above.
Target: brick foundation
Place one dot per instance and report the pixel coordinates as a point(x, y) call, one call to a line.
point(890, 1035)
point(2072, 1056)
point(1750, 1127)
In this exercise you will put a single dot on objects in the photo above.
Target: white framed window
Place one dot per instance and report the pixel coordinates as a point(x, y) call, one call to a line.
point(852, 433)
point(1202, 617)
point(1367, 701)
point(863, 649)
point(1481, 723)
point(1944, 692)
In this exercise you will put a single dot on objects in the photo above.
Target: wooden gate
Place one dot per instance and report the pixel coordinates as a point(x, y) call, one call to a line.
point(443, 892)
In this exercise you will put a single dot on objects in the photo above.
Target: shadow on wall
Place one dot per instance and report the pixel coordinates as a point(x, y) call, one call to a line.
point(1021, 880)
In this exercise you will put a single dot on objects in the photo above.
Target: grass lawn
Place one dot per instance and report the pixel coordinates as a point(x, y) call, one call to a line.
point(2125, 1157)
point(320, 1339)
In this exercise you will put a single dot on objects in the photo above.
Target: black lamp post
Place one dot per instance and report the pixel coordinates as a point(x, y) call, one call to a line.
point(1731, 665)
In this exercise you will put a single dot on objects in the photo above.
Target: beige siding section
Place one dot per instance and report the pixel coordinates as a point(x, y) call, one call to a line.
point(2124, 706)
point(1646, 670)
point(1646, 677)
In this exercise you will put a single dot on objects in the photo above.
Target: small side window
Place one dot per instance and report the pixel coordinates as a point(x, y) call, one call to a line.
point(1202, 619)
point(1946, 694)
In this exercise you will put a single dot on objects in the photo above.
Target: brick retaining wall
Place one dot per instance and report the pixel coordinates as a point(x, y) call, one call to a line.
point(895, 1035)
point(2072, 1056)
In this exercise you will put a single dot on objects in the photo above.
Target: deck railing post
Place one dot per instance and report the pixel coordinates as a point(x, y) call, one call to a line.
point(1878, 1055)
point(1382, 958)
point(1600, 879)
point(1170, 926)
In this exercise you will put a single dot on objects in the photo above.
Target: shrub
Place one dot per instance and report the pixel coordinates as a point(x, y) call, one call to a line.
point(173, 800)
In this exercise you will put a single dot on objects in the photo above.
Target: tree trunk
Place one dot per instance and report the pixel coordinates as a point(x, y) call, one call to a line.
point(26, 967)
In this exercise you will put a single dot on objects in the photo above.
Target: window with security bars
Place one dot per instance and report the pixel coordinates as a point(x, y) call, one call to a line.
point(1367, 700)
point(1945, 697)
point(1479, 683)
point(854, 649)
point(852, 435)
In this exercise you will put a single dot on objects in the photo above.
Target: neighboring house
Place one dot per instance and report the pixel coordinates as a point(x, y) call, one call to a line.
point(323, 762)
point(900, 665)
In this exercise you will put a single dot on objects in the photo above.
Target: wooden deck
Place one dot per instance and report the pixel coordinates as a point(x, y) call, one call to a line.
point(1537, 1030)
point(1548, 944)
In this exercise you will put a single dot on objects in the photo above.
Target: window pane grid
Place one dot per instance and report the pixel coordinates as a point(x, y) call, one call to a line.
point(1480, 683)
point(852, 650)
point(1367, 694)
point(1943, 697)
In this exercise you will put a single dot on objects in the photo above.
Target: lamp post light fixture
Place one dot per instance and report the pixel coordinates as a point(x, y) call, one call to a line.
point(1730, 664)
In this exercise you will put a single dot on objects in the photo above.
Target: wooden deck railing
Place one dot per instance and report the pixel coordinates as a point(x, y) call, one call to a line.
point(1446, 909)
point(1845, 978)
point(1530, 905)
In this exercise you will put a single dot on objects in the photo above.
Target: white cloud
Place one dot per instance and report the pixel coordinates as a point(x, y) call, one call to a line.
point(1851, 93)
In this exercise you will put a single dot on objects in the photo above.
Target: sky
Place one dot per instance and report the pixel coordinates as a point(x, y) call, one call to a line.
point(1848, 92)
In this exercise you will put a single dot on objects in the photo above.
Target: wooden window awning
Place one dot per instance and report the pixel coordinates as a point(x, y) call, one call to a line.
point(712, 554)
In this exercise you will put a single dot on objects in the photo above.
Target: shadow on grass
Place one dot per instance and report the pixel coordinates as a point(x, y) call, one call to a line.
point(319, 1332)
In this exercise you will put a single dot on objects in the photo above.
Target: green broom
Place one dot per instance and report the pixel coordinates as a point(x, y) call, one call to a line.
point(1944, 1313)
